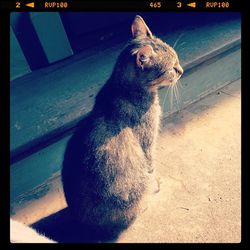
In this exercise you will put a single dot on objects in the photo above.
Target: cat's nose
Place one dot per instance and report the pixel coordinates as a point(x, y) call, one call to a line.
point(179, 70)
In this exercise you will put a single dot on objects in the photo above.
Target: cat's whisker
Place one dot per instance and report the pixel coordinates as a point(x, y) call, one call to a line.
point(175, 93)
point(165, 96)
point(172, 96)
point(178, 39)
point(178, 95)
point(174, 88)
point(180, 86)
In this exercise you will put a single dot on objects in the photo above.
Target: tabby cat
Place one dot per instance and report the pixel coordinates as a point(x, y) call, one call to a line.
point(108, 161)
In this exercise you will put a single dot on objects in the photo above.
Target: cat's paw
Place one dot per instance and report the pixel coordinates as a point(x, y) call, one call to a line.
point(151, 170)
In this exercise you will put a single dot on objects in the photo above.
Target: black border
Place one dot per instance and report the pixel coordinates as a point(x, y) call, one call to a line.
point(5, 135)
point(245, 138)
point(122, 5)
point(4, 123)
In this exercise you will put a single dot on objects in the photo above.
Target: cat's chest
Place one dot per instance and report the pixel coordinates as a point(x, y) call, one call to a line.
point(148, 128)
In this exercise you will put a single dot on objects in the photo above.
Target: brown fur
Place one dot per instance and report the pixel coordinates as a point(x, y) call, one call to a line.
point(109, 159)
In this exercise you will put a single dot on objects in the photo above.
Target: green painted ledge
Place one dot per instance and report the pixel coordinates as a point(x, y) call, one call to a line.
point(18, 65)
point(37, 99)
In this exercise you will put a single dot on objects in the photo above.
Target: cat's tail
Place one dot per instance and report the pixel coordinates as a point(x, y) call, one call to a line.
point(110, 217)
point(115, 221)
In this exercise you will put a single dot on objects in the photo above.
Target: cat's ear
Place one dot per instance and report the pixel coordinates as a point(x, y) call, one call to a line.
point(144, 57)
point(140, 28)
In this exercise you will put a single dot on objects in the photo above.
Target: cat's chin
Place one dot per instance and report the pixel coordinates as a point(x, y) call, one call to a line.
point(163, 81)
point(160, 83)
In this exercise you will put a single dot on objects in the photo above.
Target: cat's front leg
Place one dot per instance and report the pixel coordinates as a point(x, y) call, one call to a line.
point(154, 183)
point(150, 161)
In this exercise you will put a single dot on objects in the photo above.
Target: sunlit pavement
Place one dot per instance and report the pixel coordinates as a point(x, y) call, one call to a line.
point(198, 161)
point(199, 164)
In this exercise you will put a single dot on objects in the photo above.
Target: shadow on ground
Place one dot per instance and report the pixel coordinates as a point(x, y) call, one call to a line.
point(62, 228)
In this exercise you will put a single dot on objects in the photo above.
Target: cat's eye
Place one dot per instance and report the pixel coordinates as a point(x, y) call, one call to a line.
point(143, 58)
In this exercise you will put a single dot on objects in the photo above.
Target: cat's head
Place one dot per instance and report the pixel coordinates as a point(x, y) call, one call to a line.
point(156, 63)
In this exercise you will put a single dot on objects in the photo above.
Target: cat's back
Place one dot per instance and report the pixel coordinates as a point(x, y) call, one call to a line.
point(105, 162)
point(104, 141)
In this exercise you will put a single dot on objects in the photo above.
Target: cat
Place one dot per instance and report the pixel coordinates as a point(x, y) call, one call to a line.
point(108, 161)
point(20, 233)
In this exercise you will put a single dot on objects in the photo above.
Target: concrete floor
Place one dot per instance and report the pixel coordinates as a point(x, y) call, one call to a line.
point(199, 164)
